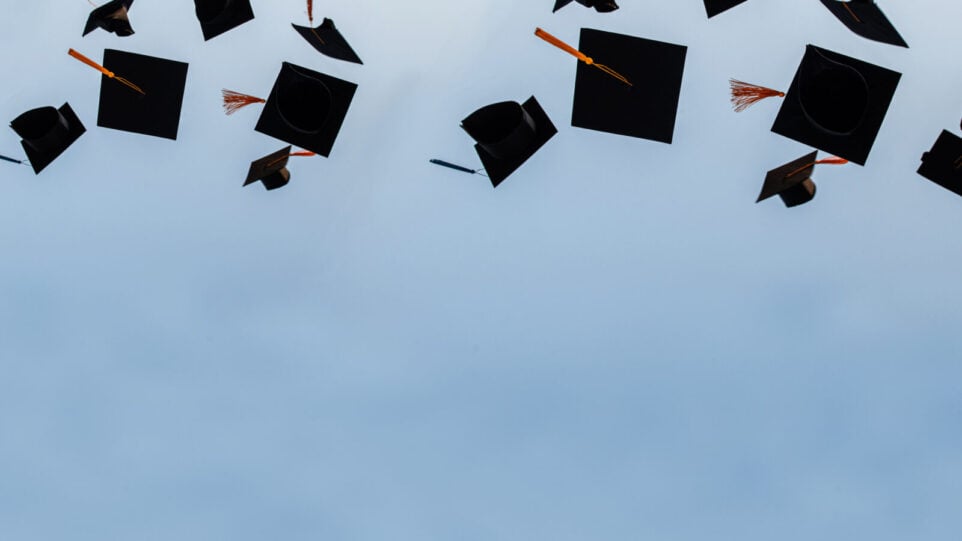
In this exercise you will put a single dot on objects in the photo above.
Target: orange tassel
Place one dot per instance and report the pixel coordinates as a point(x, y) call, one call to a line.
point(235, 101)
point(834, 160)
point(579, 55)
point(106, 72)
point(310, 11)
point(304, 153)
point(745, 95)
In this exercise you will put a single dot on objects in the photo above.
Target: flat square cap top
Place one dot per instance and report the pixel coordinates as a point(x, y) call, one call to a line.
point(647, 107)
point(836, 103)
point(943, 164)
point(327, 40)
point(306, 108)
point(155, 112)
point(219, 16)
point(864, 18)
point(271, 170)
point(714, 7)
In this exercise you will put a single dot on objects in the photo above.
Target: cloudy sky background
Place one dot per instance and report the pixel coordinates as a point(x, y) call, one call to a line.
point(617, 343)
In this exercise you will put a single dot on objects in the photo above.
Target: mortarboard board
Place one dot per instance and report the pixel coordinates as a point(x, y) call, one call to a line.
point(328, 41)
point(601, 6)
point(943, 164)
point(156, 111)
point(507, 134)
point(865, 19)
point(836, 103)
point(646, 106)
point(112, 17)
point(714, 7)
point(306, 108)
point(219, 16)
point(46, 133)
point(271, 170)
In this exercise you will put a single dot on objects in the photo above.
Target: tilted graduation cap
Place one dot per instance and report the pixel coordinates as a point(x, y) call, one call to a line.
point(601, 6)
point(328, 41)
point(835, 103)
point(139, 93)
point(714, 7)
point(46, 133)
point(507, 134)
point(271, 170)
point(943, 164)
point(624, 84)
point(793, 181)
point(112, 17)
point(219, 16)
point(305, 108)
point(865, 19)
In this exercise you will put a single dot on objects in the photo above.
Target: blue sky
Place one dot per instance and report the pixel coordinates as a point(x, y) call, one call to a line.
point(616, 343)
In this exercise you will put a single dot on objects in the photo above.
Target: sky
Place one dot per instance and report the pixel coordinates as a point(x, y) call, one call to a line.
point(616, 343)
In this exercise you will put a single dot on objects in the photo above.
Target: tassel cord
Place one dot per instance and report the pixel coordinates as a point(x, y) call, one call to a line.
point(301, 153)
point(826, 161)
point(579, 55)
point(106, 72)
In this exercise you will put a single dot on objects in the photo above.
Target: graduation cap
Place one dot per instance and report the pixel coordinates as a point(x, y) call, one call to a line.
point(865, 19)
point(714, 7)
point(835, 103)
point(139, 93)
point(305, 108)
point(507, 134)
point(601, 6)
point(634, 93)
point(112, 17)
point(271, 170)
point(943, 164)
point(328, 41)
point(793, 181)
point(219, 16)
point(46, 133)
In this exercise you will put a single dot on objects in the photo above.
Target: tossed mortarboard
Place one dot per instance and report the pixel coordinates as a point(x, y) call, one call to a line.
point(305, 108)
point(46, 132)
point(112, 17)
point(328, 41)
point(139, 93)
point(507, 134)
point(714, 7)
point(624, 84)
point(835, 103)
point(219, 16)
point(943, 164)
point(271, 170)
point(865, 19)
point(601, 6)
point(793, 181)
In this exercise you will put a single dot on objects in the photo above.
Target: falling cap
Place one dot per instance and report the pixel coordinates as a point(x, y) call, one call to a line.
point(219, 16)
point(46, 133)
point(271, 170)
point(641, 98)
point(306, 108)
point(328, 41)
point(943, 164)
point(155, 111)
point(507, 134)
point(792, 181)
point(601, 6)
point(112, 17)
point(714, 7)
point(836, 104)
point(865, 19)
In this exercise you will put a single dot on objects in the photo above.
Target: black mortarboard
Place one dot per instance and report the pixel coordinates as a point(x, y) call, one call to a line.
point(601, 6)
point(792, 181)
point(943, 164)
point(836, 104)
point(306, 108)
point(271, 170)
point(155, 112)
point(647, 107)
point(865, 19)
point(328, 41)
point(112, 17)
point(219, 16)
point(507, 134)
point(46, 133)
point(714, 7)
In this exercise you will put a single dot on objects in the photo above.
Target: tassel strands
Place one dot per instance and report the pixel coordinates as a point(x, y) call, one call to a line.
point(744, 95)
point(579, 55)
point(235, 101)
